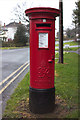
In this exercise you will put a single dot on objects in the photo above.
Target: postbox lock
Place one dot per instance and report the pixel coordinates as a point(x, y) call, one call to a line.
point(52, 58)
point(50, 61)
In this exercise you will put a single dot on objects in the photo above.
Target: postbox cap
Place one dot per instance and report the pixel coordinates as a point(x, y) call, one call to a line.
point(42, 10)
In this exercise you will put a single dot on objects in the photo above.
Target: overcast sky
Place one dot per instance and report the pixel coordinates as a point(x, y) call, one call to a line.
point(6, 6)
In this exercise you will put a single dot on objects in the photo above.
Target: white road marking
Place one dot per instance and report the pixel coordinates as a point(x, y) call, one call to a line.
point(12, 73)
point(13, 78)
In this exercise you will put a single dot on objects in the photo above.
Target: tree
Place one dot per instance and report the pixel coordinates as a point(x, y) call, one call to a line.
point(19, 13)
point(70, 33)
point(76, 17)
point(0, 25)
point(20, 37)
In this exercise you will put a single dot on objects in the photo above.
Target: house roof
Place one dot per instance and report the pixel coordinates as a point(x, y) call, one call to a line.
point(12, 24)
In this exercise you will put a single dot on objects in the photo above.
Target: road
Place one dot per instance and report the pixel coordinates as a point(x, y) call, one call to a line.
point(13, 59)
point(13, 67)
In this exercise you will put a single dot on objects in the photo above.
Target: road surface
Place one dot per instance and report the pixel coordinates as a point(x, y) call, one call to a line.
point(13, 59)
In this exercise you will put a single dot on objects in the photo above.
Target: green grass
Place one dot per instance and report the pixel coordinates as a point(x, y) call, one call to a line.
point(56, 39)
point(67, 81)
point(70, 43)
point(9, 48)
point(66, 84)
point(3, 48)
point(69, 49)
point(74, 114)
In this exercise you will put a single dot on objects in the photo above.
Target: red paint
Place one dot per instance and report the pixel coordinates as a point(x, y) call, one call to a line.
point(42, 59)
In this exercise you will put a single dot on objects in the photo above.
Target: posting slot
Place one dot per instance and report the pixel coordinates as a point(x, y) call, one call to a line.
point(43, 25)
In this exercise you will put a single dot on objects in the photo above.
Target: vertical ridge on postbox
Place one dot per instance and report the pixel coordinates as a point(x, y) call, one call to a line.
point(42, 51)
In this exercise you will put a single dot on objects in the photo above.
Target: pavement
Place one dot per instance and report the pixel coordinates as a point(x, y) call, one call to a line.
point(66, 46)
point(78, 51)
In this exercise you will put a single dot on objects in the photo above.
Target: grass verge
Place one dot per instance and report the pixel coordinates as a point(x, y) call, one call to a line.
point(68, 49)
point(20, 93)
point(66, 83)
point(3, 48)
point(70, 43)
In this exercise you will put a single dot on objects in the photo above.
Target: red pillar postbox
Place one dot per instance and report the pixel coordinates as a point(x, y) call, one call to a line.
point(42, 58)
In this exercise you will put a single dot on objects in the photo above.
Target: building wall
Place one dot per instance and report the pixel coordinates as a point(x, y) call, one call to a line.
point(11, 32)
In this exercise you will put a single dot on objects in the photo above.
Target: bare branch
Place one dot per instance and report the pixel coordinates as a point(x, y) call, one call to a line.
point(18, 13)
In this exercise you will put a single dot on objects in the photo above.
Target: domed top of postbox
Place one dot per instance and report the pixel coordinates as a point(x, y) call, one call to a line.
point(42, 12)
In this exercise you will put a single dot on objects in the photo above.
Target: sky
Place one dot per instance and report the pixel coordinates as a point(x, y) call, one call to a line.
point(7, 7)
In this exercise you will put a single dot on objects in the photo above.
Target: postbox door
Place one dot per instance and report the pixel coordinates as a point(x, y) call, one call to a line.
point(45, 56)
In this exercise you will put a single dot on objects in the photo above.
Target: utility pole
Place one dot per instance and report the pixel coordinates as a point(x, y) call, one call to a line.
point(75, 31)
point(61, 32)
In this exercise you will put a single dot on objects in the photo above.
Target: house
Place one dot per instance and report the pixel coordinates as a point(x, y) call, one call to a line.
point(8, 31)
point(3, 35)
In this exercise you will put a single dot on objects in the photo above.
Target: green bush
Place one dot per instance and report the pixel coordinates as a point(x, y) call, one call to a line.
point(20, 37)
point(8, 44)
